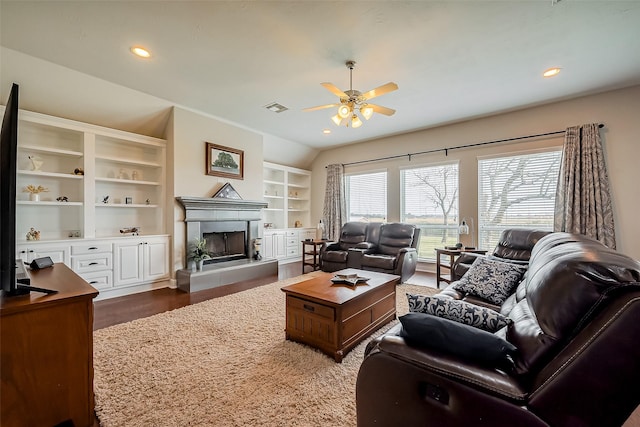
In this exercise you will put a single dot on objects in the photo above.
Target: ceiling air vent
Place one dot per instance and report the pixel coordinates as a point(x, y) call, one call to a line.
point(275, 107)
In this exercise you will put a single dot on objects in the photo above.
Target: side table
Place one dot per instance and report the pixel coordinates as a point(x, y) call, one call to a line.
point(311, 253)
point(452, 254)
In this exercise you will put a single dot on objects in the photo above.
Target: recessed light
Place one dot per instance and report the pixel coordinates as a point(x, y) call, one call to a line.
point(326, 131)
point(275, 107)
point(551, 72)
point(140, 51)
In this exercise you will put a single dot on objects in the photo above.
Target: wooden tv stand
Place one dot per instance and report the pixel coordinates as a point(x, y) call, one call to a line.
point(47, 352)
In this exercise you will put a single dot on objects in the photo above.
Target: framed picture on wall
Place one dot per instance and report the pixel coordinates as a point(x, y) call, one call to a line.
point(224, 161)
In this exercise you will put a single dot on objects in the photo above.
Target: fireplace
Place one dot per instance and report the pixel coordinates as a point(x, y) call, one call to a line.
point(230, 227)
point(226, 241)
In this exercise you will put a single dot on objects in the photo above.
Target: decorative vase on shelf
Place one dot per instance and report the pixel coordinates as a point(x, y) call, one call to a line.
point(34, 197)
point(200, 264)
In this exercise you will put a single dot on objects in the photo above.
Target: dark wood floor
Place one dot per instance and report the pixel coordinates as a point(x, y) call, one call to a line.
point(125, 309)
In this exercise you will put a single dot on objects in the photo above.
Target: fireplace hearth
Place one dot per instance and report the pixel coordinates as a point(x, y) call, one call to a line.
point(230, 227)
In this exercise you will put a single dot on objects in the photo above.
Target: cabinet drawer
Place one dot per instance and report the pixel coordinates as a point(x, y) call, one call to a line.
point(292, 242)
point(99, 280)
point(90, 248)
point(310, 307)
point(93, 262)
point(292, 251)
point(292, 233)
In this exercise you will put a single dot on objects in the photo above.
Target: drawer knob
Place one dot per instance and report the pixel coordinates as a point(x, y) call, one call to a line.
point(93, 282)
point(93, 263)
point(92, 248)
point(309, 308)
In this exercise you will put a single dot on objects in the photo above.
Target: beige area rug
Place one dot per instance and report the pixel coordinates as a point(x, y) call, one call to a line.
point(224, 362)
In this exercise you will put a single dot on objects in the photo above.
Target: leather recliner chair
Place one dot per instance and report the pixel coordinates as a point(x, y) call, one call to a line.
point(394, 251)
point(574, 324)
point(514, 245)
point(333, 255)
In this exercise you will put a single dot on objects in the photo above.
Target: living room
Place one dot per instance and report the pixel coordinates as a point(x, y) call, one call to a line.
point(50, 86)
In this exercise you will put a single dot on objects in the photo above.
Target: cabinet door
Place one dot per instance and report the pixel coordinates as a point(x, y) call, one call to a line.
point(57, 253)
point(127, 265)
point(279, 245)
point(156, 259)
point(267, 246)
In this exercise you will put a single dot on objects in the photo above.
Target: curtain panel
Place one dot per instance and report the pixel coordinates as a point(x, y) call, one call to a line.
point(334, 211)
point(583, 198)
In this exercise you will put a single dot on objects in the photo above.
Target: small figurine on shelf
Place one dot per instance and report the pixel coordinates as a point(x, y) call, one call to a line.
point(62, 199)
point(33, 234)
point(134, 175)
point(105, 200)
point(36, 163)
point(148, 202)
point(78, 171)
point(133, 230)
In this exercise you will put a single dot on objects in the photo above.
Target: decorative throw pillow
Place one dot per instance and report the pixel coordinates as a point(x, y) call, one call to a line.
point(457, 339)
point(458, 311)
point(491, 280)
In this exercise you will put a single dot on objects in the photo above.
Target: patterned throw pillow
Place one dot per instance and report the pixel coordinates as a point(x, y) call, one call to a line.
point(458, 311)
point(491, 280)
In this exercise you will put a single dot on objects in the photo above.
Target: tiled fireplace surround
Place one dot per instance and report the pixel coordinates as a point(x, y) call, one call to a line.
point(221, 215)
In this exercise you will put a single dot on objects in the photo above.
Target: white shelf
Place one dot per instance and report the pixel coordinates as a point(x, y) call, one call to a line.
point(128, 161)
point(54, 151)
point(297, 185)
point(127, 181)
point(120, 205)
point(298, 210)
point(51, 174)
point(273, 197)
point(43, 203)
point(289, 212)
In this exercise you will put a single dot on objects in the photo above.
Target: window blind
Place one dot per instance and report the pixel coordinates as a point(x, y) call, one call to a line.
point(367, 197)
point(516, 191)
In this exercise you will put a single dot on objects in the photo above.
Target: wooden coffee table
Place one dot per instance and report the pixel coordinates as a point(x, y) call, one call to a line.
point(334, 318)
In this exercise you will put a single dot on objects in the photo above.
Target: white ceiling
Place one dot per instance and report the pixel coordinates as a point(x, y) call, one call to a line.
point(452, 60)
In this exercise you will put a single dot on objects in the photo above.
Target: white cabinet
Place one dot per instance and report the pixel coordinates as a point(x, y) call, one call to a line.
point(93, 261)
point(141, 259)
point(58, 252)
point(273, 244)
point(285, 244)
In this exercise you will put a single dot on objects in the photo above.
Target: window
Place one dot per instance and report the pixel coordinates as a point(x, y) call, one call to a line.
point(366, 197)
point(430, 201)
point(516, 191)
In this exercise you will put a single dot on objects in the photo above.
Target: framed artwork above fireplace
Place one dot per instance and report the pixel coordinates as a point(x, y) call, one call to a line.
point(224, 161)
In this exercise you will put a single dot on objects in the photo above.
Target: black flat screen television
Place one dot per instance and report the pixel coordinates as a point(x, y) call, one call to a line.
point(13, 276)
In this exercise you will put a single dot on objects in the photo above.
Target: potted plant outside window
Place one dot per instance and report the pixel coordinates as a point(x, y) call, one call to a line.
point(199, 253)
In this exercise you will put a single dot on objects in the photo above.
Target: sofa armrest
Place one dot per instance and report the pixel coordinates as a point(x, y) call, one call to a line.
point(367, 247)
point(489, 380)
point(354, 258)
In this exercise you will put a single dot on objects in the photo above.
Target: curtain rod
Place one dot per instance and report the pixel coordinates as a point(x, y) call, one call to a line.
point(446, 150)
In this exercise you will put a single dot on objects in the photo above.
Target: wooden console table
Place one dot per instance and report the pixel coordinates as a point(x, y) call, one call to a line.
point(47, 352)
point(311, 255)
point(452, 254)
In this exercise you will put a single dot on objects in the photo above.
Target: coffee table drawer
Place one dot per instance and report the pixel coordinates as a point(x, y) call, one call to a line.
point(355, 325)
point(311, 307)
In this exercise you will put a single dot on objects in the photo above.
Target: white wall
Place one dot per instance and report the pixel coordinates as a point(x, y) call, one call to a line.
point(619, 110)
point(191, 132)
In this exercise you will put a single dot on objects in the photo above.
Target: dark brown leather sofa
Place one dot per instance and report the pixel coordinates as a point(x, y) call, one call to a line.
point(387, 248)
point(575, 325)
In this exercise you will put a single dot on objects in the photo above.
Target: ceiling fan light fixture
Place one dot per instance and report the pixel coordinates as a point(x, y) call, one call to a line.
point(355, 121)
point(336, 119)
point(344, 111)
point(366, 112)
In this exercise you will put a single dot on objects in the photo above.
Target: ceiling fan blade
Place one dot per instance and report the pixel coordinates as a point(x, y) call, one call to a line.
point(321, 107)
point(334, 90)
point(380, 90)
point(382, 110)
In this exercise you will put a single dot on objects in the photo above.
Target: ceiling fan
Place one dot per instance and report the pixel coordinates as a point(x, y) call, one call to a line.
point(352, 100)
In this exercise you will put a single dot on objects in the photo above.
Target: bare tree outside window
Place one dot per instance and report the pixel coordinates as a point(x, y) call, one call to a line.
point(431, 203)
point(516, 191)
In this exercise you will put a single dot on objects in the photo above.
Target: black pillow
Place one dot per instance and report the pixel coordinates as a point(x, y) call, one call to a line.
point(457, 339)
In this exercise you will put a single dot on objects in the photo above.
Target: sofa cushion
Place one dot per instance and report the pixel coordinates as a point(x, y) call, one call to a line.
point(457, 339)
point(385, 262)
point(336, 256)
point(458, 311)
point(395, 236)
point(491, 280)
